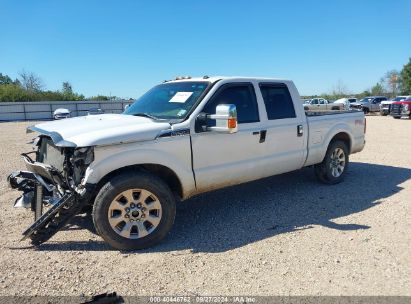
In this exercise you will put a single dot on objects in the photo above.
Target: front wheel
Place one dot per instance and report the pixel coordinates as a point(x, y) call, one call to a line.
point(366, 110)
point(134, 211)
point(334, 166)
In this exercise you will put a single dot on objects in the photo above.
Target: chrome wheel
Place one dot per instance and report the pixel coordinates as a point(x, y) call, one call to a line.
point(337, 164)
point(134, 213)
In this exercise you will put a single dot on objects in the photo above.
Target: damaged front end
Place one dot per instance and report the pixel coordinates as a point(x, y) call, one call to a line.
point(53, 183)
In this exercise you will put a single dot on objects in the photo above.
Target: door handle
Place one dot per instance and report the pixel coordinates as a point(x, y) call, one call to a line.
point(262, 133)
point(300, 130)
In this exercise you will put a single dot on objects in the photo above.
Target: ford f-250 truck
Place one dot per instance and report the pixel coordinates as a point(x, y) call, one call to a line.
point(181, 138)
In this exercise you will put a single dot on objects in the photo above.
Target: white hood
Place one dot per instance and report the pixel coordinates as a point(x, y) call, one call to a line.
point(105, 129)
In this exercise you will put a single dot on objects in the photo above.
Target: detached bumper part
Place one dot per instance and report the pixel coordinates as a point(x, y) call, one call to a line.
point(24, 201)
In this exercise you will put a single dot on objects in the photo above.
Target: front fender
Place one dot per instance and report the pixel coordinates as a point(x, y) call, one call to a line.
point(174, 154)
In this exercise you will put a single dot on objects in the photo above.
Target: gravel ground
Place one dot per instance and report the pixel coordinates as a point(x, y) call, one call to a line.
point(285, 235)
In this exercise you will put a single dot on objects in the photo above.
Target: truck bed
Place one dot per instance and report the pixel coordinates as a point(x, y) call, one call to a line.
point(322, 125)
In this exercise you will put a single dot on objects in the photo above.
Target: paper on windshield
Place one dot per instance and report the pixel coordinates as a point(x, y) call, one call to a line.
point(181, 97)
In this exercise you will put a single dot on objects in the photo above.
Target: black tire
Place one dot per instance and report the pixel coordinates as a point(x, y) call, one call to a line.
point(383, 113)
point(116, 186)
point(323, 171)
point(397, 117)
point(366, 110)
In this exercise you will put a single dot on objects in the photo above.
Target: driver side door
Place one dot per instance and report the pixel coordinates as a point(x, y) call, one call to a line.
point(222, 159)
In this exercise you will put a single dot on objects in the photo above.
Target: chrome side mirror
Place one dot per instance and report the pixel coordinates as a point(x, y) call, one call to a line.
point(226, 119)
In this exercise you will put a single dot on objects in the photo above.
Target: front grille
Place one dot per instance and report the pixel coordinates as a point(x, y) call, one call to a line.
point(396, 109)
point(49, 154)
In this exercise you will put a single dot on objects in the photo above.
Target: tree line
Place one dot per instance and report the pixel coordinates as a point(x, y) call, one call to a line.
point(30, 87)
point(391, 84)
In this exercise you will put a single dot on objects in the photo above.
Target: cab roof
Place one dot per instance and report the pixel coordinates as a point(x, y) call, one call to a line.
point(214, 79)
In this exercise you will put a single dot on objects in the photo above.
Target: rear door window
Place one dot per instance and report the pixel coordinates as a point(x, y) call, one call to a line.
point(277, 100)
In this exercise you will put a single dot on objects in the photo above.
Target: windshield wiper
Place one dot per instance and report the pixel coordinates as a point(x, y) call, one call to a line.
point(146, 115)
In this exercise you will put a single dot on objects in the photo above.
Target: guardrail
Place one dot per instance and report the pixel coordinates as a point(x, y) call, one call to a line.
point(43, 110)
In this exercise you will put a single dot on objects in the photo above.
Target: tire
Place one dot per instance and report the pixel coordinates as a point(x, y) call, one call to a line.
point(138, 228)
point(328, 172)
point(383, 113)
point(366, 110)
point(397, 117)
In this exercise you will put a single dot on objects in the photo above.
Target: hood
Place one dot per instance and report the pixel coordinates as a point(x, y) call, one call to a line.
point(357, 103)
point(105, 129)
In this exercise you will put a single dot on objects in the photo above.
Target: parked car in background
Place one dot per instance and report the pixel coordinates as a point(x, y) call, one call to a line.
point(401, 108)
point(61, 113)
point(385, 105)
point(369, 104)
point(95, 111)
point(321, 104)
point(346, 102)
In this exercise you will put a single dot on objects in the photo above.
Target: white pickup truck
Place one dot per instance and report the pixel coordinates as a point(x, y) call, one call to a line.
point(321, 104)
point(181, 138)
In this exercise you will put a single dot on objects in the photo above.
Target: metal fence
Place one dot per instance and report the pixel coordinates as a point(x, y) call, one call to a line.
point(43, 110)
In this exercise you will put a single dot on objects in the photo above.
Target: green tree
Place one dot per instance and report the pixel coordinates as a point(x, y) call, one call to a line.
point(406, 78)
point(98, 98)
point(67, 88)
point(13, 92)
point(378, 89)
point(5, 79)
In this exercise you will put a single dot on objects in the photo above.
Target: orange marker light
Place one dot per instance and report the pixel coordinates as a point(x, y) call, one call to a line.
point(231, 123)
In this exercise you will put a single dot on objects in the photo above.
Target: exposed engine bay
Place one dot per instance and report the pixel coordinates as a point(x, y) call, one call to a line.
point(53, 182)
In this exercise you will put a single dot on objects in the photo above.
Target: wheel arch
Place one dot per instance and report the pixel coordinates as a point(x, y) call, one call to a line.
point(161, 171)
point(344, 137)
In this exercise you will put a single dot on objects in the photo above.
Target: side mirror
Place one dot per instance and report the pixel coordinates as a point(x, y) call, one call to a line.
point(225, 118)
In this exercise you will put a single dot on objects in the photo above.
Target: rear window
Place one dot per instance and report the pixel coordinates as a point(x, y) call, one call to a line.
point(277, 100)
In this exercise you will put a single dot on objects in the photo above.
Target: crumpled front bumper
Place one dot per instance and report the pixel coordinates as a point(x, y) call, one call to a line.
point(39, 176)
point(26, 182)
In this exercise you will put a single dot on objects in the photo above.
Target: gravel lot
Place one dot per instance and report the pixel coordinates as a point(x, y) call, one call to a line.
point(285, 235)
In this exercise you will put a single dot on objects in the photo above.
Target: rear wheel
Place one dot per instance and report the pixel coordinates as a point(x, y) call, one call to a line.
point(334, 166)
point(134, 211)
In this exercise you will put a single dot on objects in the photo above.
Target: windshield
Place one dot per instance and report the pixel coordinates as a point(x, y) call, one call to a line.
point(366, 100)
point(168, 100)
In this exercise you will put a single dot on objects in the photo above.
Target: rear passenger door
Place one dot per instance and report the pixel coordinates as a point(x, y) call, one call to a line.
point(284, 146)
